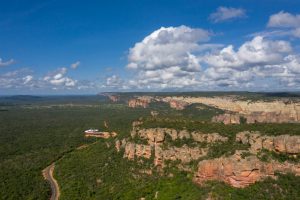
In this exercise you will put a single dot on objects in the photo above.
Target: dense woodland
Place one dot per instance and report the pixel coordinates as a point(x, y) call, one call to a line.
point(36, 131)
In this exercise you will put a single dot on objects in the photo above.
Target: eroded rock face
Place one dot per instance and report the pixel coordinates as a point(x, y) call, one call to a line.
point(281, 144)
point(133, 150)
point(239, 172)
point(152, 135)
point(277, 111)
point(140, 102)
point(178, 105)
point(158, 135)
point(113, 98)
point(255, 117)
point(185, 154)
point(227, 118)
point(209, 138)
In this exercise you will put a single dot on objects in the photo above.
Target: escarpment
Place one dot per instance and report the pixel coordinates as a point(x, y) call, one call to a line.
point(178, 105)
point(182, 147)
point(277, 111)
point(142, 101)
point(281, 144)
point(241, 172)
point(158, 143)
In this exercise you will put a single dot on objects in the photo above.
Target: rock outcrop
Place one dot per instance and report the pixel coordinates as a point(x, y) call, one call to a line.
point(209, 138)
point(178, 105)
point(133, 150)
point(143, 101)
point(156, 142)
point(281, 144)
point(185, 154)
point(277, 111)
point(239, 172)
point(157, 135)
point(227, 118)
point(113, 98)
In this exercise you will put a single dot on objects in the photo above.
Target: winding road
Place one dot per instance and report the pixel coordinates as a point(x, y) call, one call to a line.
point(48, 175)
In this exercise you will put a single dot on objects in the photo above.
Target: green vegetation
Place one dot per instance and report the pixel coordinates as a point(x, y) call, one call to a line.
point(225, 130)
point(266, 156)
point(31, 139)
point(36, 131)
point(98, 172)
point(285, 187)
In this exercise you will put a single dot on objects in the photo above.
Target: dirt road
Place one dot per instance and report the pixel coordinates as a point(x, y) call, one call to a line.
point(48, 175)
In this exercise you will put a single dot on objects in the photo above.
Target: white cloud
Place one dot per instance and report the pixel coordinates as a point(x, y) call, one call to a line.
point(6, 63)
point(21, 78)
point(59, 78)
point(227, 13)
point(258, 51)
point(168, 57)
point(75, 65)
point(114, 81)
point(167, 47)
point(284, 19)
point(163, 61)
point(27, 79)
point(287, 21)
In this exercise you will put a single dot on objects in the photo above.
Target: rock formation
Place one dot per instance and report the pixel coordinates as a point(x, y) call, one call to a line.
point(185, 154)
point(133, 150)
point(209, 138)
point(277, 111)
point(178, 105)
point(239, 172)
point(227, 118)
point(156, 143)
point(114, 98)
point(157, 135)
point(281, 144)
point(140, 102)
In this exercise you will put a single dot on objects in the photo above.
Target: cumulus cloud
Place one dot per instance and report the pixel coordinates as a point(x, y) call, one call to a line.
point(258, 51)
point(59, 78)
point(166, 63)
point(114, 81)
point(287, 21)
point(227, 13)
point(168, 56)
point(6, 63)
point(27, 79)
point(284, 19)
point(167, 47)
point(75, 65)
point(15, 79)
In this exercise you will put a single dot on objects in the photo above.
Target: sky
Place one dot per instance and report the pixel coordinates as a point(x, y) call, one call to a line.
point(86, 47)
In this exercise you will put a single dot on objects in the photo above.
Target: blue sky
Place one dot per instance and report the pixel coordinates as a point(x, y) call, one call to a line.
point(40, 40)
